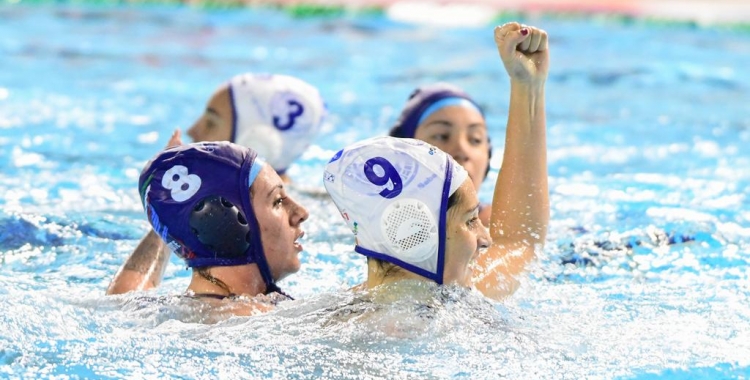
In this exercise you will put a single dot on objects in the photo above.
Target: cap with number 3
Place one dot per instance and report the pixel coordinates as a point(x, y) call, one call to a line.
point(277, 115)
point(393, 193)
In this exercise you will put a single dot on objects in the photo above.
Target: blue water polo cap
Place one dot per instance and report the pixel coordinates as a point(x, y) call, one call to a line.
point(423, 101)
point(197, 200)
point(428, 99)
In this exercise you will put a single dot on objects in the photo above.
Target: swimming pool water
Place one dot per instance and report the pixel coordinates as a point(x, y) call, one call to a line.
point(645, 270)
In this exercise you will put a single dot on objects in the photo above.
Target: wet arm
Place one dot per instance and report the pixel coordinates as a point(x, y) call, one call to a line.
point(144, 268)
point(520, 207)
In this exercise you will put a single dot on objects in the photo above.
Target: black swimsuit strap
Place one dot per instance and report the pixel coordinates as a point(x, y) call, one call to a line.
point(221, 296)
point(211, 295)
point(275, 289)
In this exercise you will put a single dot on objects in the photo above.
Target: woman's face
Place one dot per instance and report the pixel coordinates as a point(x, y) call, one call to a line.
point(280, 221)
point(461, 132)
point(216, 122)
point(465, 236)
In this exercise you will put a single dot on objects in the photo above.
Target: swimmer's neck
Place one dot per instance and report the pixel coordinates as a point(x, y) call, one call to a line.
point(376, 276)
point(243, 280)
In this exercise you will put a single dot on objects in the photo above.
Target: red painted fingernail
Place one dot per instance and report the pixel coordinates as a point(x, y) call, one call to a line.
point(524, 31)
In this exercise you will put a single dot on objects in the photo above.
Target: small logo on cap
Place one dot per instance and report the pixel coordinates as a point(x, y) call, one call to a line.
point(159, 228)
point(330, 177)
point(336, 156)
point(409, 228)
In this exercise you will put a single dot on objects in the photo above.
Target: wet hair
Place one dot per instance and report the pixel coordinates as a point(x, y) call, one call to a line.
point(387, 268)
point(203, 272)
point(454, 199)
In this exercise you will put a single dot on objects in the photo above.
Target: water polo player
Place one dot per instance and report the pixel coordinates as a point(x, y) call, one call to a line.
point(414, 211)
point(277, 115)
point(447, 117)
point(226, 214)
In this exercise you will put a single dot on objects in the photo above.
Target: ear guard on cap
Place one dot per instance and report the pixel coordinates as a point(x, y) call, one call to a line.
point(197, 200)
point(411, 229)
point(220, 226)
point(393, 193)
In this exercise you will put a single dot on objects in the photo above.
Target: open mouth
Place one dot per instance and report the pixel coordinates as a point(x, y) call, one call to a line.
point(299, 237)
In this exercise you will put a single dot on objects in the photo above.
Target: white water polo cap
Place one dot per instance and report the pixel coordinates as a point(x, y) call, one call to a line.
point(276, 115)
point(393, 193)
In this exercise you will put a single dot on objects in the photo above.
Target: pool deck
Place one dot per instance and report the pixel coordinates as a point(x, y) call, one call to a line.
point(700, 11)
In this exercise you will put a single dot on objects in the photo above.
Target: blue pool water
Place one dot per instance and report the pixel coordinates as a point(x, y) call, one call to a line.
point(645, 272)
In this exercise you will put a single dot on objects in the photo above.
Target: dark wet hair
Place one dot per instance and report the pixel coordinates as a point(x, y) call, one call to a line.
point(203, 272)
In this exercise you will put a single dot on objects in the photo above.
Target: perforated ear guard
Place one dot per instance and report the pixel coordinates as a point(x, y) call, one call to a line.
point(220, 226)
point(411, 229)
point(393, 194)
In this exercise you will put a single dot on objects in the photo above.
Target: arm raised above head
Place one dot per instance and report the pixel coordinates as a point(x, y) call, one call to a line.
point(520, 205)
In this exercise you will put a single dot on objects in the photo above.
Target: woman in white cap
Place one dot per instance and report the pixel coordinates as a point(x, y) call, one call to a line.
point(277, 115)
point(414, 211)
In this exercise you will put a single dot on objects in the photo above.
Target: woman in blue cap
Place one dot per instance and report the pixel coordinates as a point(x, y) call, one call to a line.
point(447, 117)
point(277, 115)
point(226, 213)
point(414, 209)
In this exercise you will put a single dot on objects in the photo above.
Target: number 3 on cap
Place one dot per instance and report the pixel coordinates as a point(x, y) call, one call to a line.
point(182, 185)
point(389, 174)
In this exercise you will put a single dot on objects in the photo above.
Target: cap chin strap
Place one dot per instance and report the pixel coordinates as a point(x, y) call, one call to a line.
point(271, 286)
point(444, 216)
point(256, 245)
point(438, 275)
point(234, 113)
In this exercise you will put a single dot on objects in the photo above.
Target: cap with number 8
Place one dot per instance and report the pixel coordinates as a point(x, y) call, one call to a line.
point(197, 198)
point(393, 193)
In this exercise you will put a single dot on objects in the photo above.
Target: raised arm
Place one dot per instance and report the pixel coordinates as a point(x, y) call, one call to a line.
point(520, 205)
point(144, 268)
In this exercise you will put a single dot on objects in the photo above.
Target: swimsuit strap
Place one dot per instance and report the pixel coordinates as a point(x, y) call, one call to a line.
point(273, 288)
point(211, 295)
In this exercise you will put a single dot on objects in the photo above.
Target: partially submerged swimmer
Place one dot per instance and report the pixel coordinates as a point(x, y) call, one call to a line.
point(228, 216)
point(414, 211)
point(461, 252)
point(277, 115)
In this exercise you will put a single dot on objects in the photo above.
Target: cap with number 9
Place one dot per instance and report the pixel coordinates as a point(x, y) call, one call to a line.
point(393, 193)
